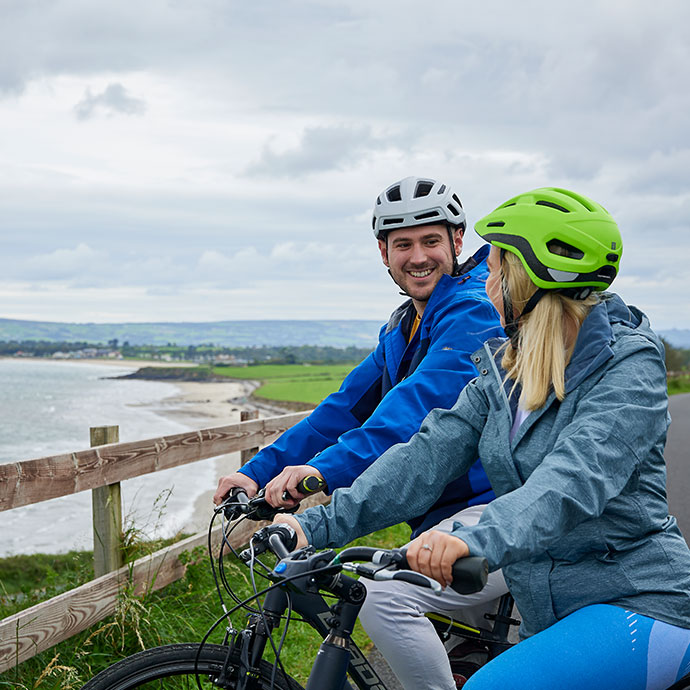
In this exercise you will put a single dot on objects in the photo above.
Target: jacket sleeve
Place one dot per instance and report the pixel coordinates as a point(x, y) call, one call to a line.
point(321, 429)
point(616, 425)
point(458, 331)
point(406, 480)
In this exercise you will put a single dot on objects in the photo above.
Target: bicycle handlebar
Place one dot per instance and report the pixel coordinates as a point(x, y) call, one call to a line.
point(307, 486)
point(258, 508)
point(469, 574)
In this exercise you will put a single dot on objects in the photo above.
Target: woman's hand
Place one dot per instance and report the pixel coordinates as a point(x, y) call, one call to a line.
point(290, 520)
point(433, 554)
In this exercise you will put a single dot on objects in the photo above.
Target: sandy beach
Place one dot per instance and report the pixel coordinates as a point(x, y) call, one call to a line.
point(210, 404)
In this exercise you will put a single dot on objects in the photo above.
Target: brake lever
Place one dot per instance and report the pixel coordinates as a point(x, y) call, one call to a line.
point(376, 572)
point(261, 509)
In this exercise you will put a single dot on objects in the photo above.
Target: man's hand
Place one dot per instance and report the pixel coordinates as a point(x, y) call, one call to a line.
point(287, 480)
point(290, 520)
point(433, 554)
point(230, 482)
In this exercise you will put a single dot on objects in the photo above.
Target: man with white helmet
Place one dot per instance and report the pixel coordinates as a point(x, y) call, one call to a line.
point(422, 362)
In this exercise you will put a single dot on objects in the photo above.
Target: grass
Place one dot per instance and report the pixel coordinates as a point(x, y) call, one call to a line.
point(181, 612)
point(291, 382)
point(311, 384)
point(679, 384)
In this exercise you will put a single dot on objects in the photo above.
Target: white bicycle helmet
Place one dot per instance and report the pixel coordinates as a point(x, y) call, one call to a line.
point(416, 201)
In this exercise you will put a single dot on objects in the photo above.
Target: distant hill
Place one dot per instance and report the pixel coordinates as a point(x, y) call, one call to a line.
point(677, 337)
point(227, 333)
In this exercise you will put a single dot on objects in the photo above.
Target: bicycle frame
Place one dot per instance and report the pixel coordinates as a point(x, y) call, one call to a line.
point(338, 653)
point(494, 639)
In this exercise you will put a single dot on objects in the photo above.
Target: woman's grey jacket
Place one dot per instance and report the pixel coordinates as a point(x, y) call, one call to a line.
point(581, 515)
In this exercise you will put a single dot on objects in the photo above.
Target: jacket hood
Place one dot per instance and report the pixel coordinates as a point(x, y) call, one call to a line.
point(608, 320)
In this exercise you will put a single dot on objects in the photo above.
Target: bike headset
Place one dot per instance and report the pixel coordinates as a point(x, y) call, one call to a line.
point(566, 242)
point(416, 201)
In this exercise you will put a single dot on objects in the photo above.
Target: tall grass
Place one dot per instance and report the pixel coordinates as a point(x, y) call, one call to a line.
point(181, 612)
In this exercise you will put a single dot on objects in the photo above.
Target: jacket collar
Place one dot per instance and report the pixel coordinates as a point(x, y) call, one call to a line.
point(592, 347)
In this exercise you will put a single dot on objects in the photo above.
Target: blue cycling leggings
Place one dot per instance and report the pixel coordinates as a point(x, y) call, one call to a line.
point(598, 647)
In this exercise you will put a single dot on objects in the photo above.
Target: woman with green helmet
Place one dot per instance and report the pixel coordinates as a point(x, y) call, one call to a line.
point(569, 416)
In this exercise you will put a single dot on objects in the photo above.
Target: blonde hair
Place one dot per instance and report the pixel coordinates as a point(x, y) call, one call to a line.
point(546, 337)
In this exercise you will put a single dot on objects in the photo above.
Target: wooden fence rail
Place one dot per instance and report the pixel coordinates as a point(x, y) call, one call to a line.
point(34, 630)
point(31, 481)
point(38, 628)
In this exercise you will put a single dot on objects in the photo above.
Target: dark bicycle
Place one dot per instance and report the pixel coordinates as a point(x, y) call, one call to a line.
point(299, 580)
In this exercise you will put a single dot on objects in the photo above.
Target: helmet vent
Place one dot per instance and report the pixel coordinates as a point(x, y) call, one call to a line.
point(423, 189)
point(550, 204)
point(564, 249)
point(393, 221)
point(428, 214)
point(441, 189)
point(393, 194)
point(495, 224)
point(457, 200)
point(378, 200)
point(453, 210)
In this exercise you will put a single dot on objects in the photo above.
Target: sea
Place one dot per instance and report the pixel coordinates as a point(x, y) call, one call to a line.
point(47, 408)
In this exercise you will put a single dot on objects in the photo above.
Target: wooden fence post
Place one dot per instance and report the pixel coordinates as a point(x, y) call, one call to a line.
point(247, 455)
point(106, 503)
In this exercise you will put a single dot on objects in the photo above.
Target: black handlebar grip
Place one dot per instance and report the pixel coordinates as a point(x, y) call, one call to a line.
point(307, 486)
point(238, 494)
point(311, 485)
point(230, 508)
point(469, 574)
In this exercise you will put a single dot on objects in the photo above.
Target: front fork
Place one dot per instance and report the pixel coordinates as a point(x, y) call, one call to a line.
point(250, 643)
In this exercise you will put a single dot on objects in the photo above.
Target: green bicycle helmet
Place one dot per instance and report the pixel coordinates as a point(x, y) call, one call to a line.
point(563, 239)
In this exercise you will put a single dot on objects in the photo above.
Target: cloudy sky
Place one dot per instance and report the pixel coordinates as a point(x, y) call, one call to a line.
point(196, 160)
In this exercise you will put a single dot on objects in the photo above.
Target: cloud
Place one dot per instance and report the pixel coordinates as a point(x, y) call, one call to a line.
point(320, 149)
point(114, 99)
point(257, 173)
point(62, 263)
point(663, 173)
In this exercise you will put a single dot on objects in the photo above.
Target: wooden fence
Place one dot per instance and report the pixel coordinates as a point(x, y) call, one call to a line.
point(38, 628)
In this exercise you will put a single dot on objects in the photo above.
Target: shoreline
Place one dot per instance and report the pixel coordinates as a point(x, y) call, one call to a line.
point(206, 404)
point(191, 405)
point(109, 361)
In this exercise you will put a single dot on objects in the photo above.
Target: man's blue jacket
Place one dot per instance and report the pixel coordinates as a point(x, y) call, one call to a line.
point(384, 400)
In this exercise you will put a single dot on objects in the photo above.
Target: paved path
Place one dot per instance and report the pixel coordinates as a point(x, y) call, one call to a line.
point(678, 461)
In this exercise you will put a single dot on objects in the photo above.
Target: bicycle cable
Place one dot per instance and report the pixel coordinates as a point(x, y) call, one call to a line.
point(276, 652)
point(242, 604)
point(221, 569)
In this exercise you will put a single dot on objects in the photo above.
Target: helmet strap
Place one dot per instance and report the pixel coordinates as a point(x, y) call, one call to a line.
point(512, 324)
point(456, 266)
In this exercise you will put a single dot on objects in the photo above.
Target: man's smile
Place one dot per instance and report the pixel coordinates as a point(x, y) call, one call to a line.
point(421, 274)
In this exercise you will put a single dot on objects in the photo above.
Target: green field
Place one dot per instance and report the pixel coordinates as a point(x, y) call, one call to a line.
point(291, 382)
point(678, 384)
point(311, 384)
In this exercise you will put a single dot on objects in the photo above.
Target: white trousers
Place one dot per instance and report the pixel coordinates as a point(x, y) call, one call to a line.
point(393, 616)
